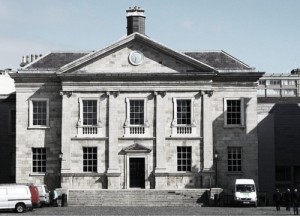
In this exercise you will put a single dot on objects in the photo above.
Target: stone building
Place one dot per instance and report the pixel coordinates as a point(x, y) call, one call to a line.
point(136, 114)
point(278, 132)
point(7, 128)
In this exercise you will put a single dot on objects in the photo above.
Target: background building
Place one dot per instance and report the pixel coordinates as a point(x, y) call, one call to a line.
point(278, 132)
point(7, 128)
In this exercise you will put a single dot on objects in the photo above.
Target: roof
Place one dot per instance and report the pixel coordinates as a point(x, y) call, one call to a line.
point(220, 60)
point(55, 60)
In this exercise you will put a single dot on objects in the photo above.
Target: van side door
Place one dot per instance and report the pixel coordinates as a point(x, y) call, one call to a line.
point(3, 198)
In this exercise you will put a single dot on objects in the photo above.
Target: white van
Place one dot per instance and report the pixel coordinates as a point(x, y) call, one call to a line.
point(44, 194)
point(245, 192)
point(17, 197)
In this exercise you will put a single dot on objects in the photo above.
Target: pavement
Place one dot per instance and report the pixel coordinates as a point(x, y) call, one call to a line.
point(134, 210)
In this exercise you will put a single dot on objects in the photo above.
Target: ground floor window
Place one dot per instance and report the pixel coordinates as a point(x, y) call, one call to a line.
point(39, 159)
point(234, 159)
point(89, 159)
point(184, 158)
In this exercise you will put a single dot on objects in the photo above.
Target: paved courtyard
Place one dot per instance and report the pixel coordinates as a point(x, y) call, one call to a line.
point(154, 211)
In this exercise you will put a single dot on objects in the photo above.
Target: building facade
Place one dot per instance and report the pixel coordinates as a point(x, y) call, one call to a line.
point(278, 132)
point(136, 114)
point(7, 128)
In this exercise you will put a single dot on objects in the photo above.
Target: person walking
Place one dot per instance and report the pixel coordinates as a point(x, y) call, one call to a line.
point(277, 199)
point(288, 199)
point(295, 198)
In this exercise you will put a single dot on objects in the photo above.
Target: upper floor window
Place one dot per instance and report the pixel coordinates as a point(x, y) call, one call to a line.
point(183, 117)
point(234, 112)
point(273, 92)
point(234, 159)
point(136, 123)
point(39, 159)
point(262, 82)
point(137, 112)
point(273, 82)
point(184, 158)
point(89, 124)
point(89, 159)
point(289, 82)
point(261, 92)
point(39, 113)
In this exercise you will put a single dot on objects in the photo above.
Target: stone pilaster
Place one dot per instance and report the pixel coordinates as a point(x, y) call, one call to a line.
point(160, 170)
point(66, 131)
point(113, 171)
point(208, 159)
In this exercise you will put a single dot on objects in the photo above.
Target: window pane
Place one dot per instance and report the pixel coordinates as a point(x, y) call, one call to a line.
point(234, 159)
point(136, 112)
point(89, 112)
point(233, 112)
point(39, 113)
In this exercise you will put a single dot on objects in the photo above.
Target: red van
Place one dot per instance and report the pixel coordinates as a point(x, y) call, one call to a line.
point(35, 196)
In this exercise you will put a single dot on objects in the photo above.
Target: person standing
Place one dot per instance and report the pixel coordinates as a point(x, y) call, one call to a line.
point(288, 199)
point(295, 198)
point(277, 199)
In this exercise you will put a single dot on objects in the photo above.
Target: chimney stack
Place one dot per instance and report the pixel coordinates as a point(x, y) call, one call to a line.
point(135, 20)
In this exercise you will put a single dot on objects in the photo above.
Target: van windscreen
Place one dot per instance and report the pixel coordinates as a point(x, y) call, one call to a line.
point(245, 188)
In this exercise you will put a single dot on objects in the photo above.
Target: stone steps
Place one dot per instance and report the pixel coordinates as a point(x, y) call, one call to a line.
point(143, 197)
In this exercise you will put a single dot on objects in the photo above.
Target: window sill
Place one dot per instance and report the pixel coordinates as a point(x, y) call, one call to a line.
point(234, 126)
point(234, 173)
point(37, 174)
point(38, 127)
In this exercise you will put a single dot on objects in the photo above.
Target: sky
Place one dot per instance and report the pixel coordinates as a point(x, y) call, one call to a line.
point(265, 34)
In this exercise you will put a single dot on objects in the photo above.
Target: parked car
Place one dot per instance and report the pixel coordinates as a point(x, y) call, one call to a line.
point(44, 194)
point(15, 197)
point(35, 196)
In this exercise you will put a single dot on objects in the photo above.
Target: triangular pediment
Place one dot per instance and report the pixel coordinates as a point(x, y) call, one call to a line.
point(137, 148)
point(156, 58)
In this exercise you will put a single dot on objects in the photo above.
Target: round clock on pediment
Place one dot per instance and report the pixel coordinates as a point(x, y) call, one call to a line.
point(136, 57)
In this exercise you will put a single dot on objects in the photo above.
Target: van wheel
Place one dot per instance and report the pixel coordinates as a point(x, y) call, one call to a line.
point(20, 208)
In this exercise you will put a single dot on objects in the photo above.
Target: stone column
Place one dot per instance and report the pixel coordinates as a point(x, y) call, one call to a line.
point(208, 154)
point(160, 170)
point(113, 171)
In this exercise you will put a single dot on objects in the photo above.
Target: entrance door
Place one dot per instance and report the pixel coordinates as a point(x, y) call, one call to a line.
point(137, 172)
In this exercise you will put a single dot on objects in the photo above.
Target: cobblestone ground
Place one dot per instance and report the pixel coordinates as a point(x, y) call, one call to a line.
point(154, 211)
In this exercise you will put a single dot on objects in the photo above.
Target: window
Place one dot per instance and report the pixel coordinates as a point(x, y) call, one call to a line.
point(89, 159)
point(273, 92)
point(262, 82)
point(39, 113)
point(89, 124)
point(273, 82)
point(183, 112)
point(89, 112)
point(136, 123)
point(261, 92)
point(234, 159)
point(183, 123)
point(39, 160)
point(288, 92)
point(184, 158)
point(288, 82)
point(234, 112)
point(136, 112)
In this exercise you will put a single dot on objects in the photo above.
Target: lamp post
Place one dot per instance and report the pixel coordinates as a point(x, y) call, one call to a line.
point(60, 157)
point(216, 166)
